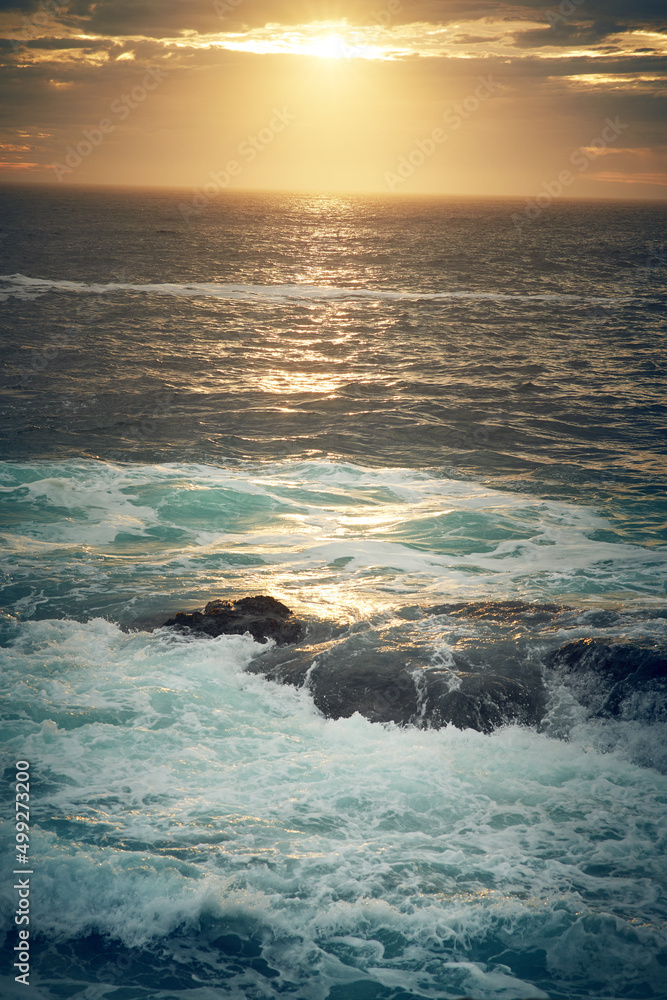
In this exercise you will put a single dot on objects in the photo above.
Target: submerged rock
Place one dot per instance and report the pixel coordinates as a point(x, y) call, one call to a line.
point(377, 688)
point(483, 700)
point(482, 688)
point(502, 611)
point(263, 617)
point(388, 672)
point(614, 677)
point(387, 676)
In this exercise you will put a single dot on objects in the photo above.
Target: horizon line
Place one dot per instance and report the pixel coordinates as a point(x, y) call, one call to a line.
point(24, 184)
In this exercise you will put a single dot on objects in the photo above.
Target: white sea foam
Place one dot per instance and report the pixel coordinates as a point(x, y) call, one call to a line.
point(186, 792)
point(177, 792)
point(23, 287)
point(333, 539)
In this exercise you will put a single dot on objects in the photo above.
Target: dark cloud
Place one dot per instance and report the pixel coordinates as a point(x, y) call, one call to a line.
point(152, 18)
point(638, 11)
point(65, 43)
point(25, 6)
point(566, 34)
point(471, 39)
point(162, 18)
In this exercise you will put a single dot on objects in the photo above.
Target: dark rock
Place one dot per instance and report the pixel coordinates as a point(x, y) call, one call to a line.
point(482, 701)
point(381, 691)
point(485, 687)
point(362, 672)
point(384, 675)
point(284, 666)
point(426, 697)
point(263, 617)
point(488, 684)
point(607, 676)
point(503, 611)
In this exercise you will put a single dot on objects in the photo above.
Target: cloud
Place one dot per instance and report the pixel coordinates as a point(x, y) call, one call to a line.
point(162, 18)
point(567, 34)
point(582, 20)
point(445, 11)
point(556, 84)
point(64, 43)
point(19, 166)
point(152, 18)
point(25, 6)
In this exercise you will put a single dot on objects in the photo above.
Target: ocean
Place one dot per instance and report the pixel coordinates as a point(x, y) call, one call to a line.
point(439, 441)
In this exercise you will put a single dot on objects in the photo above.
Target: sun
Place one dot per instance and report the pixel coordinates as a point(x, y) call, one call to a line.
point(330, 47)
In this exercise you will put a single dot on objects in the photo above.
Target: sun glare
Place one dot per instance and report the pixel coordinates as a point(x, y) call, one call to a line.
point(330, 47)
point(321, 39)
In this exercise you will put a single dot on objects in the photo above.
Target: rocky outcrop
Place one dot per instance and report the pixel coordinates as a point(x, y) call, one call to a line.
point(370, 672)
point(379, 689)
point(614, 678)
point(482, 688)
point(263, 617)
point(500, 611)
point(483, 700)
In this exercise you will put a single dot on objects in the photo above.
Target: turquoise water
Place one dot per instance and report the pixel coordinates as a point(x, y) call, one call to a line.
point(188, 810)
point(185, 808)
point(126, 540)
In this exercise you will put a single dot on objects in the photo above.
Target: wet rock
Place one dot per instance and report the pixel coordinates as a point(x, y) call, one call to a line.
point(288, 665)
point(483, 688)
point(263, 617)
point(502, 611)
point(614, 677)
point(380, 690)
point(385, 675)
point(361, 673)
point(482, 702)
point(429, 698)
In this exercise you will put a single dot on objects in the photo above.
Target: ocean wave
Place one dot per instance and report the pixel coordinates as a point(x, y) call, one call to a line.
point(23, 287)
point(198, 823)
point(182, 800)
point(330, 538)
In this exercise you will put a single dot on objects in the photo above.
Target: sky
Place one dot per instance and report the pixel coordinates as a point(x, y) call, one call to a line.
point(441, 97)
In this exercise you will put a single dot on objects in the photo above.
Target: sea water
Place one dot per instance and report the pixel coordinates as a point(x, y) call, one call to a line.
point(365, 409)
